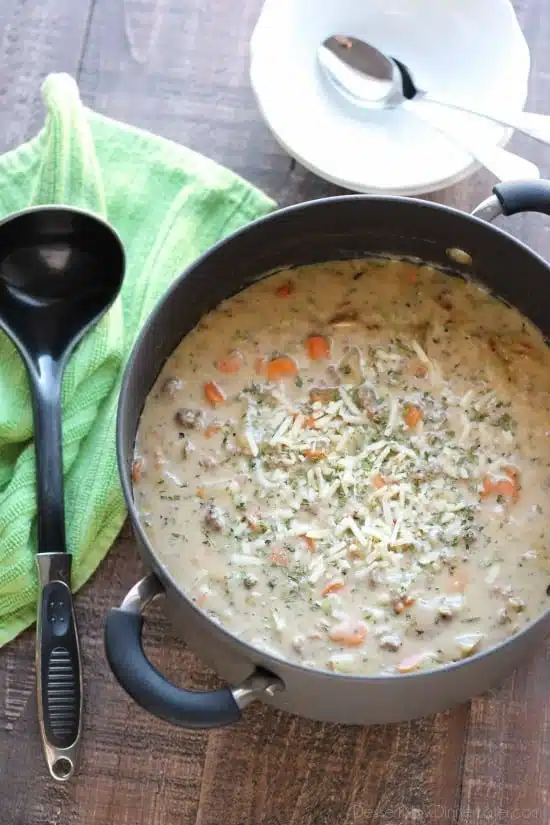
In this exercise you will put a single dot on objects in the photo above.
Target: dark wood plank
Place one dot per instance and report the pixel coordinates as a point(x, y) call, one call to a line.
point(507, 758)
point(278, 769)
point(36, 38)
point(179, 68)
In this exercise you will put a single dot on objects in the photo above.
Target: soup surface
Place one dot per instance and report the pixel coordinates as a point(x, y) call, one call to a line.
point(348, 466)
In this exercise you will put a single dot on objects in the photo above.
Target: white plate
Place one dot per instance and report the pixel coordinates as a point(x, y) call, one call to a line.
point(471, 51)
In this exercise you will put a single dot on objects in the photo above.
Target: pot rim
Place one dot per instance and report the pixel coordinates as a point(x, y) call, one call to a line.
point(145, 547)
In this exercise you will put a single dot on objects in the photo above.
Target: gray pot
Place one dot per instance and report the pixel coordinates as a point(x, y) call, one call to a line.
point(342, 227)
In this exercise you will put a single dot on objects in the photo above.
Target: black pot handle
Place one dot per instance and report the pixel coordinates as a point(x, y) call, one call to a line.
point(150, 689)
point(523, 196)
point(514, 196)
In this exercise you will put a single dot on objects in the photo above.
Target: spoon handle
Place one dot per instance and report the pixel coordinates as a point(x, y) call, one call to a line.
point(504, 165)
point(532, 124)
point(58, 666)
point(535, 125)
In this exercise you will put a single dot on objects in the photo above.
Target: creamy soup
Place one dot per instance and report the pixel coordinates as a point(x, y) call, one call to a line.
point(348, 465)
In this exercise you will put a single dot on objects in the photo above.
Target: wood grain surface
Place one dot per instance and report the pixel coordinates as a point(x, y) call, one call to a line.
point(179, 67)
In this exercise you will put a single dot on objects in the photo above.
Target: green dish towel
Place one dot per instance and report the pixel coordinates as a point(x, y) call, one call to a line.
point(168, 204)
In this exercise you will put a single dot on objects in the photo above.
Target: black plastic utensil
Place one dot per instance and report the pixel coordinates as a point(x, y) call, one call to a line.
point(60, 270)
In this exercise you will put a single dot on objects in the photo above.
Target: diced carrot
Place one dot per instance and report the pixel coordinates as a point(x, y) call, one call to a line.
point(487, 487)
point(212, 430)
point(410, 663)
point(137, 470)
point(505, 349)
point(420, 369)
point(201, 492)
point(379, 481)
point(309, 422)
point(310, 543)
point(285, 290)
point(399, 605)
point(317, 347)
point(280, 368)
point(279, 557)
point(200, 599)
point(333, 587)
point(511, 472)
point(213, 393)
point(349, 634)
point(413, 415)
point(314, 455)
point(522, 347)
point(505, 487)
point(230, 364)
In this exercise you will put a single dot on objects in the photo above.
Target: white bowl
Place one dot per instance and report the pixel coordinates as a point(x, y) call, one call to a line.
point(469, 51)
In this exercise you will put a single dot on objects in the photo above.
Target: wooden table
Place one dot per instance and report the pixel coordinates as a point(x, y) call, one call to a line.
point(179, 67)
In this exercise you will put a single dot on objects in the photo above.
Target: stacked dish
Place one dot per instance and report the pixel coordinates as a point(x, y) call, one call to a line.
point(389, 151)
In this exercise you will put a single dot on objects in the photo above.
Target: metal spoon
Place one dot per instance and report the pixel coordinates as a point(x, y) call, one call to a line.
point(371, 79)
point(379, 90)
point(60, 269)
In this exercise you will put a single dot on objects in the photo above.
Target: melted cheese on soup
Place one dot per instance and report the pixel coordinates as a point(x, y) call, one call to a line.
point(347, 465)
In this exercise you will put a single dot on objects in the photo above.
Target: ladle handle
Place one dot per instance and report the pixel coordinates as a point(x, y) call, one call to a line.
point(58, 666)
point(45, 378)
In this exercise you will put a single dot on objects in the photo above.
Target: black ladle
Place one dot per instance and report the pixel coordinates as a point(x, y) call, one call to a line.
point(60, 270)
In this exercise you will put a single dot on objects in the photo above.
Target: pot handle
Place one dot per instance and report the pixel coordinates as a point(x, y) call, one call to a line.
point(512, 197)
point(150, 689)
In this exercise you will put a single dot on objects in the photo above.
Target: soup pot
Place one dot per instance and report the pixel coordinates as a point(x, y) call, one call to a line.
point(350, 226)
